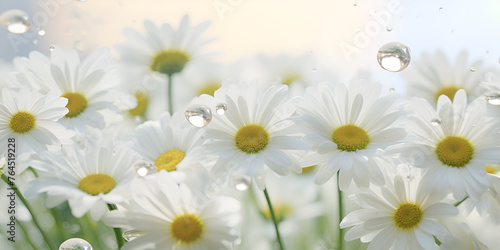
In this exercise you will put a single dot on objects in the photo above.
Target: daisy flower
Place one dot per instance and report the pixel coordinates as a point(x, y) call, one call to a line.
point(88, 85)
point(400, 216)
point(168, 216)
point(88, 179)
point(488, 203)
point(254, 131)
point(163, 49)
point(452, 143)
point(171, 143)
point(31, 119)
point(435, 76)
point(349, 128)
point(461, 238)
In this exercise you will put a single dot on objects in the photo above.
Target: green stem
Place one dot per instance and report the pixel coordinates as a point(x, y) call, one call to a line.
point(460, 202)
point(118, 231)
point(25, 234)
point(27, 205)
point(273, 217)
point(341, 216)
point(170, 96)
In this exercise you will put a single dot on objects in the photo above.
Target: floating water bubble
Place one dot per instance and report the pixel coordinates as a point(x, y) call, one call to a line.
point(143, 168)
point(221, 108)
point(131, 234)
point(52, 47)
point(493, 97)
point(241, 182)
point(75, 244)
point(391, 90)
point(198, 115)
point(314, 70)
point(472, 69)
point(436, 121)
point(355, 4)
point(394, 56)
point(41, 31)
point(440, 9)
point(15, 21)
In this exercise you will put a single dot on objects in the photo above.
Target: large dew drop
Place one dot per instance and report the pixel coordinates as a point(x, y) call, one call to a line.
point(493, 97)
point(143, 168)
point(394, 56)
point(242, 182)
point(198, 115)
point(15, 21)
point(75, 244)
point(131, 234)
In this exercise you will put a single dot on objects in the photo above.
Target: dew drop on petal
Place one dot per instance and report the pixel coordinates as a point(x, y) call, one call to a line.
point(241, 182)
point(436, 122)
point(314, 70)
point(198, 115)
point(75, 244)
point(389, 29)
point(131, 234)
point(472, 69)
point(394, 56)
point(221, 108)
point(493, 97)
point(41, 31)
point(15, 21)
point(440, 9)
point(355, 4)
point(143, 168)
point(52, 47)
point(392, 90)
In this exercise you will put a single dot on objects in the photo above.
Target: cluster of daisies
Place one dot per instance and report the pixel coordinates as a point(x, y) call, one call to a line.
point(175, 151)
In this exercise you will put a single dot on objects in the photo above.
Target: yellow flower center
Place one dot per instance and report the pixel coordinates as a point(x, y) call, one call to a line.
point(187, 228)
point(169, 62)
point(407, 216)
point(77, 103)
point(22, 122)
point(309, 169)
point(448, 91)
point(95, 184)
point(350, 138)
point(209, 88)
point(169, 160)
point(280, 212)
point(288, 79)
point(142, 104)
point(454, 151)
point(251, 139)
point(492, 169)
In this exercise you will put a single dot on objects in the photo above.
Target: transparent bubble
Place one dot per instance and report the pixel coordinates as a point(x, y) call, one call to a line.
point(392, 90)
point(436, 121)
point(52, 47)
point(493, 97)
point(198, 115)
point(221, 108)
point(75, 244)
point(143, 168)
point(394, 56)
point(241, 182)
point(41, 31)
point(15, 21)
point(131, 234)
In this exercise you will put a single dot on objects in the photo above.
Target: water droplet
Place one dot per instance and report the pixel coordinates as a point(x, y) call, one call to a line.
point(493, 97)
point(35, 42)
point(75, 244)
point(221, 108)
point(391, 90)
point(440, 9)
point(41, 31)
point(15, 21)
point(52, 47)
point(436, 121)
point(198, 115)
point(131, 234)
point(314, 70)
point(355, 4)
point(472, 69)
point(242, 182)
point(389, 29)
point(394, 56)
point(143, 168)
